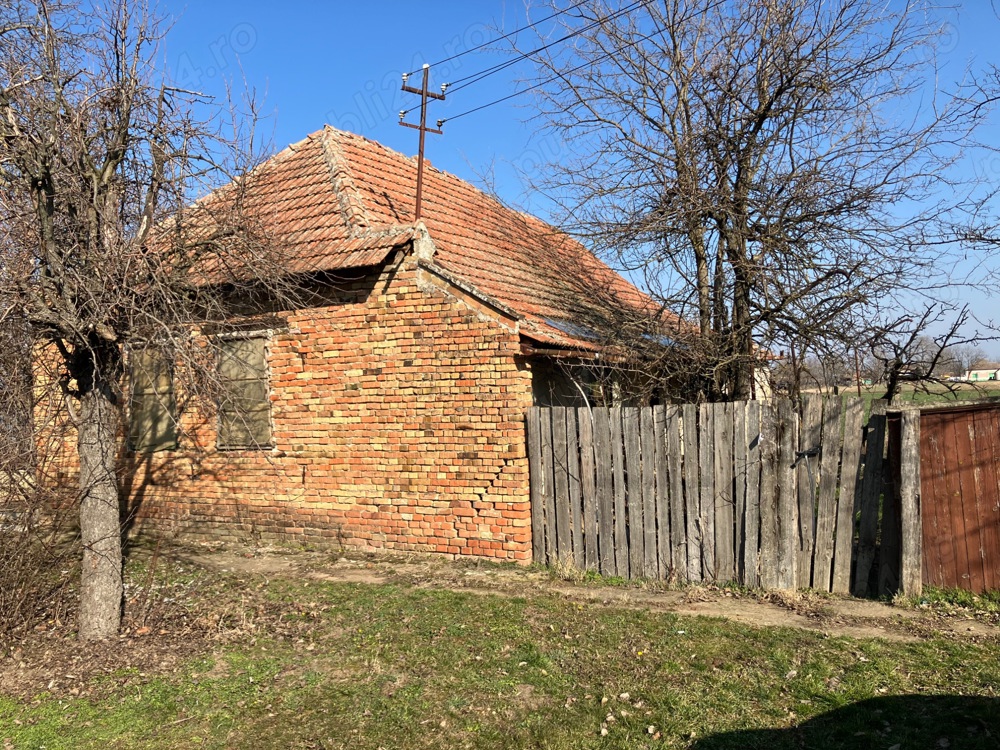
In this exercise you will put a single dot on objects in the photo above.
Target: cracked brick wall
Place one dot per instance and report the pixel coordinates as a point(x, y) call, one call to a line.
point(397, 412)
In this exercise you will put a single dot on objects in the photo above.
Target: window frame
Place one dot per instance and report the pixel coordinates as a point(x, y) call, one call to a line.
point(264, 336)
point(136, 350)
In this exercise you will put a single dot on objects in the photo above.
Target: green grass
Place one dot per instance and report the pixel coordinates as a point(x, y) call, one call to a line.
point(929, 394)
point(369, 666)
point(952, 601)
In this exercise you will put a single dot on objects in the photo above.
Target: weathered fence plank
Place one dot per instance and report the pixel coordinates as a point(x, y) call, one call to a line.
point(970, 566)
point(751, 524)
point(633, 490)
point(807, 474)
point(871, 491)
point(664, 562)
point(647, 440)
point(563, 517)
point(706, 471)
point(975, 516)
point(604, 492)
point(585, 425)
point(548, 488)
point(575, 491)
point(692, 493)
point(768, 560)
point(678, 538)
point(618, 470)
point(788, 508)
point(739, 485)
point(536, 483)
point(909, 491)
point(826, 502)
point(939, 536)
point(724, 506)
point(850, 464)
point(988, 462)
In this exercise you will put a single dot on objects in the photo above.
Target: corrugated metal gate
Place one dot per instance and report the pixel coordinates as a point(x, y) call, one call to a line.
point(960, 488)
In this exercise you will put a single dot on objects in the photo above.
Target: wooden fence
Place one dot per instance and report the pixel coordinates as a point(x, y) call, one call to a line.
point(754, 492)
point(960, 474)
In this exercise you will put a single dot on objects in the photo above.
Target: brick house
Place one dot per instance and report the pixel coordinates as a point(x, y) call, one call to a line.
point(391, 415)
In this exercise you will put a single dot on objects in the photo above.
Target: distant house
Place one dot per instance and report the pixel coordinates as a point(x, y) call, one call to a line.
point(982, 373)
point(390, 414)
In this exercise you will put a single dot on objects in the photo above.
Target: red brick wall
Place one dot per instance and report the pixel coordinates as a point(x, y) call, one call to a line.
point(397, 413)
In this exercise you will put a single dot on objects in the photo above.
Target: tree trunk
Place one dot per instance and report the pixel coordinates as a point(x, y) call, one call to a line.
point(101, 578)
point(704, 285)
point(742, 339)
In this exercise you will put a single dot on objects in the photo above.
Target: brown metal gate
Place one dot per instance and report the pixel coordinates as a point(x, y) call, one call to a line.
point(960, 496)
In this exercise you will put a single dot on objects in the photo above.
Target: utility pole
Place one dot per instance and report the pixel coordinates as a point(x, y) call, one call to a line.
point(424, 94)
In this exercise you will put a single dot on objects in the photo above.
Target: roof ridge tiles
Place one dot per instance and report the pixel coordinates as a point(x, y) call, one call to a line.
point(456, 180)
point(351, 205)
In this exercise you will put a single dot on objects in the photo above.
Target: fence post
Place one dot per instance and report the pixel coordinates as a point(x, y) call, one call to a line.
point(910, 574)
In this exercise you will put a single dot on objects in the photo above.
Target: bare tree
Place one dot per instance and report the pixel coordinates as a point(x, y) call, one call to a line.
point(960, 358)
point(775, 169)
point(907, 352)
point(103, 249)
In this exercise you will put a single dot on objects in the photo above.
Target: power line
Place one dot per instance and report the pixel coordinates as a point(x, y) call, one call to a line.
point(547, 81)
point(476, 77)
point(508, 35)
point(472, 78)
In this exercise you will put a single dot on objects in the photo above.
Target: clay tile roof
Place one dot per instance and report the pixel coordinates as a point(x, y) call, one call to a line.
point(338, 200)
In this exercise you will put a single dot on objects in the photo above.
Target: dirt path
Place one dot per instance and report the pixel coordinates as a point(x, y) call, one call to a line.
point(834, 616)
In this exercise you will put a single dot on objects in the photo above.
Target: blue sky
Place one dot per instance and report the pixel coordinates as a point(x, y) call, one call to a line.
point(340, 63)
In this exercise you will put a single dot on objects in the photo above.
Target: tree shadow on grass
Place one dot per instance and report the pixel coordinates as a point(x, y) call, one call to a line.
point(904, 722)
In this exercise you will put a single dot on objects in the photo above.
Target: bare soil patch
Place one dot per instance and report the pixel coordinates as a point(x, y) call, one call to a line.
point(834, 616)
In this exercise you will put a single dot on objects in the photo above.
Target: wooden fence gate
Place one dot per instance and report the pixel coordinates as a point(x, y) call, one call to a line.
point(960, 474)
point(752, 492)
